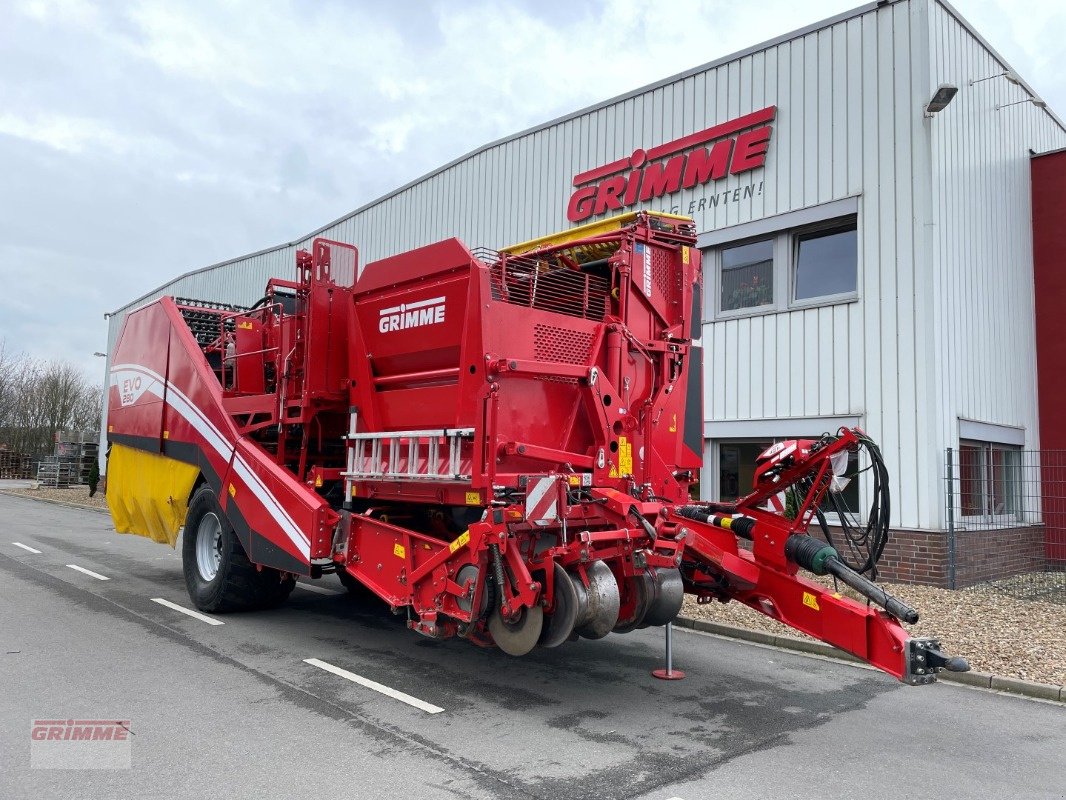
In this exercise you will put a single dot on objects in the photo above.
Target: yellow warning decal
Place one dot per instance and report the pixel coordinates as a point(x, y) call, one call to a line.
point(166, 434)
point(463, 539)
point(613, 473)
point(247, 326)
point(810, 601)
point(625, 456)
point(232, 490)
point(318, 481)
point(354, 490)
point(673, 424)
point(473, 498)
point(684, 255)
point(399, 551)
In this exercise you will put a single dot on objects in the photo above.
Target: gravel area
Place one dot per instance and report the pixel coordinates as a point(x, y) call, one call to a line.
point(995, 631)
point(1011, 627)
point(76, 494)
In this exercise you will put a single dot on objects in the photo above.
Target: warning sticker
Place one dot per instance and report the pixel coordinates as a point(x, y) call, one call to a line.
point(810, 601)
point(463, 539)
point(625, 456)
point(399, 551)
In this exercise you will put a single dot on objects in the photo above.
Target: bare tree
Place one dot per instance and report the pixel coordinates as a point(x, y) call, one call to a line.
point(38, 398)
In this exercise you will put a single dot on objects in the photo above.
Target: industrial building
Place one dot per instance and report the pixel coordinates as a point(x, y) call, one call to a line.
point(863, 189)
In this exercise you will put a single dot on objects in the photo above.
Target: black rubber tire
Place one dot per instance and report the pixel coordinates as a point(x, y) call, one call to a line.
point(238, 585)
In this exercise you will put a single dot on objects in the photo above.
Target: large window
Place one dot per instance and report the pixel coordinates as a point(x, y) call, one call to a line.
point(736, 472)
point(748, 275)
point(826, 262)
point(989, 479)
point(792, 268)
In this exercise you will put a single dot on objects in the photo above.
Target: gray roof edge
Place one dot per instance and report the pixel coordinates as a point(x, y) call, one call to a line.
point(815, 26)
point(995, 54)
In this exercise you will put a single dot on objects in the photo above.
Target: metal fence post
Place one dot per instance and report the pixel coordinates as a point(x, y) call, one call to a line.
point(950, 494)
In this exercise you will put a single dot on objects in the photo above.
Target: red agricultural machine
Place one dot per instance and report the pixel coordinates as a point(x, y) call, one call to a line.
point(500, 445)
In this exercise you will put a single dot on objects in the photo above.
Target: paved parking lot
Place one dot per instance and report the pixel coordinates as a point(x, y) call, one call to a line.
point(333, 696)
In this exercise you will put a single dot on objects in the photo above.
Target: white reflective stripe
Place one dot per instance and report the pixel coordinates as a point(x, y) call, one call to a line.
point(195, 417)
point(270, 503)
point(537, 493)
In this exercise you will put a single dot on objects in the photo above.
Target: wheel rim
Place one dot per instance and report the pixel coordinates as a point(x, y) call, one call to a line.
point(209, 546)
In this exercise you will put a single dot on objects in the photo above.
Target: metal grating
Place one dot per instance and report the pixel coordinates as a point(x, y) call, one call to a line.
point(204, 318)
point(662, 273)
point(563, 346)
point(546, 285)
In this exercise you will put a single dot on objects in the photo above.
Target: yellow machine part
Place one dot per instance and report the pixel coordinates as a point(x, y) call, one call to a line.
point(147, 493)
point(587, 230)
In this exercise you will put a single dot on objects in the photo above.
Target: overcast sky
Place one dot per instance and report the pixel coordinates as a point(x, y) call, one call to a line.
point(141, 140)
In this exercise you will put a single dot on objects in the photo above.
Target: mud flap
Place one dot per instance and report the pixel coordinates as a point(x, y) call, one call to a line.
point(148, 494)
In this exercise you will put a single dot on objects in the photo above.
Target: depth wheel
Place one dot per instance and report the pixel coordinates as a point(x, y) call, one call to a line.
point(520, 636)
point(560, 623)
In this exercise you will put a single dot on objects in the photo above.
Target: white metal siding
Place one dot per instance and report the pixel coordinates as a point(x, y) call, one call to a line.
point(984, 329)
point(847, 115)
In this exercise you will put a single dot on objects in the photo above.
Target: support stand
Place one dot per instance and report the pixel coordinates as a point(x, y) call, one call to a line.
point(669, 674)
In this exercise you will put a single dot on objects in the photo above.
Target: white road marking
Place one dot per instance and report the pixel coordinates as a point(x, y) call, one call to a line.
point(27, 548)
point(188, 611)
point(395, 694)
point(89, 572)
point(319, 589)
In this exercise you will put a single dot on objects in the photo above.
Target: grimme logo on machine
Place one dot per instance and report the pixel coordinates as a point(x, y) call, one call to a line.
point(411, 315)
point(739, 145)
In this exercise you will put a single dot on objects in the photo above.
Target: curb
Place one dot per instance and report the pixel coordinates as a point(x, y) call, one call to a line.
point(55, 502)
point(983, 680)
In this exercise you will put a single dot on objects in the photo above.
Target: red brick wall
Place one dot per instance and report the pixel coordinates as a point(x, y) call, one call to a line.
point(980, 555)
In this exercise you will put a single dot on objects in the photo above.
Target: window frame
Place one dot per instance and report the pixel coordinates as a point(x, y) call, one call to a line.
point(840, 224)
point(988, 517)
point(785, 263)
point(747, 311)
point(713, 456)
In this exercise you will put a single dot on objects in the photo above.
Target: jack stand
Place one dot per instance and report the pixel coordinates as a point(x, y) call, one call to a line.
point(669, 674)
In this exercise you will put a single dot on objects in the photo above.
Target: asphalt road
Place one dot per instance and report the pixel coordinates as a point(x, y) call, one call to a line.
point(234, 710)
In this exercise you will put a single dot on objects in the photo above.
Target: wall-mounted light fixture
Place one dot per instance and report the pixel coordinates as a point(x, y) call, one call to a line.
point(1033, 100)
point(943, 95)
point(1010, 76)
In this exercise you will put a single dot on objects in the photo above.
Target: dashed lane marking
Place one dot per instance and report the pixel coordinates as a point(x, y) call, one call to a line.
point(89, 572)
point(27, 548)
point(188, 611)
point(388, 691)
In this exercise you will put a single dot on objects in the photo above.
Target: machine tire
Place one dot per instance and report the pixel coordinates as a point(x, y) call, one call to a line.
point(237, 584)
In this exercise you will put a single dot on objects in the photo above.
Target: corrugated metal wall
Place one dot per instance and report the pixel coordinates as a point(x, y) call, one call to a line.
point(982, 238)
point(848, 111)
point(850, 96)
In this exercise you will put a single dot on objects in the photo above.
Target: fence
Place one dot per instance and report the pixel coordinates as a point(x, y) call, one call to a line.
point(1006, 519)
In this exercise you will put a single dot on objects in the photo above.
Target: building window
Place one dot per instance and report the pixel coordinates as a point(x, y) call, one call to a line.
point(736, 473)
point(793, 268)
point(989, 479)
point(748, 275)
point(826, 262)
